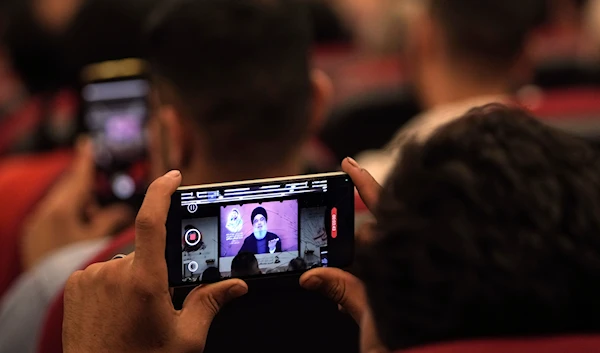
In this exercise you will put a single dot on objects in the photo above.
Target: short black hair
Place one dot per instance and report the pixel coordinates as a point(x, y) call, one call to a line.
point(211, 274)
point(297, 264)
point(241, 70)
point(244, 264)
point(491, 228)
point(492, 32)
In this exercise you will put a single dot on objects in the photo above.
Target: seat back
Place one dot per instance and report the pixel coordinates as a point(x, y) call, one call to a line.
point(576, 110)
point(560, 344)
point(23, 182)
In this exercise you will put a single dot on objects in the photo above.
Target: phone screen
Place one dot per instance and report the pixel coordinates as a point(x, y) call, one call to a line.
point(260, 228)
point(115, 113)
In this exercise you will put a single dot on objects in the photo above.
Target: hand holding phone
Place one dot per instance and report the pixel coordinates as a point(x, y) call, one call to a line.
point(261, 227)
point(141, 317)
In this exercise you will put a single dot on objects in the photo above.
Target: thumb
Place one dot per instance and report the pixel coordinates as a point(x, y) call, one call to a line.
point(339, 286)
point(109, 220)
point(201, 306)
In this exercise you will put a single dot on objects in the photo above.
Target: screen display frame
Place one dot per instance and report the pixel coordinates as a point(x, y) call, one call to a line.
point(334, 192)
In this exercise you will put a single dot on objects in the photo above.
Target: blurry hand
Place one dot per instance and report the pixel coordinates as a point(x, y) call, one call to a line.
point(124, 305)
point(60, 218)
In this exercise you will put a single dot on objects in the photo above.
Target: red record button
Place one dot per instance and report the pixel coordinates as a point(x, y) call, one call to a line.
point(334, 223)
point(193, 237)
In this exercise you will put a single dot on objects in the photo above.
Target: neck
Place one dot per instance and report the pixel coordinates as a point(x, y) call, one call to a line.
point(205, 173)
point(447, 85)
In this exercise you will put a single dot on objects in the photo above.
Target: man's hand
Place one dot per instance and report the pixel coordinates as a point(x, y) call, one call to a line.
point(273, 245)
point(369, 191)
point(124, 305)
point(340, 286)
point(59, 220)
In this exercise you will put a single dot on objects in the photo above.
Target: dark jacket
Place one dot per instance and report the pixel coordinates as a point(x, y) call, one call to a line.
point(251, 246)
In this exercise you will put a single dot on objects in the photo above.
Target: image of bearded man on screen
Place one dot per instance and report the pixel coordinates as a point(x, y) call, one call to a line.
point(261, 241)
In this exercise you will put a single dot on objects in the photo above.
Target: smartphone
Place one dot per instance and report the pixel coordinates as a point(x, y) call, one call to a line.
point(259, 228)
point(115, 109)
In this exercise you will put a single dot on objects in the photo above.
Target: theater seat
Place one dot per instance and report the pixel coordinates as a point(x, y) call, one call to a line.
point(561, 344)
point(368, 121)
point(576, 110)
point(23, 182)
point(51, 334)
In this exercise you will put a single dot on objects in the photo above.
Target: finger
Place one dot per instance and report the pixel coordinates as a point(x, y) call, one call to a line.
point(340, 286)
point(81, 178)
point(367, 187)
point(201, 306)
point(109, 220)
point(150, 231)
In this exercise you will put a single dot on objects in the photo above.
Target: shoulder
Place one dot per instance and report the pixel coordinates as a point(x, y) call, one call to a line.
point(272, 236)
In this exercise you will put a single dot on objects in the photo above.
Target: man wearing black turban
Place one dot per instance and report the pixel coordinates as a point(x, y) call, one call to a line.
point(261, 241)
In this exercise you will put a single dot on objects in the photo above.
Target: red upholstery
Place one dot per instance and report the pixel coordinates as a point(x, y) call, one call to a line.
point(564, 344)
point(23, 182)
point(359, 205)
point(51, 335)
point(566, 104)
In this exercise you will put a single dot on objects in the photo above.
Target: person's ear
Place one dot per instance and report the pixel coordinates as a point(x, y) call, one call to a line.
point(173, 136)
point(322, 98)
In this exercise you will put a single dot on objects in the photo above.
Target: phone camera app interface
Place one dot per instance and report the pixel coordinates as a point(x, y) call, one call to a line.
point(255, 230)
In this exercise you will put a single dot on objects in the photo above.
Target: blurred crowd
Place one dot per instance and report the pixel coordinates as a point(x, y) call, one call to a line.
point(470, 128)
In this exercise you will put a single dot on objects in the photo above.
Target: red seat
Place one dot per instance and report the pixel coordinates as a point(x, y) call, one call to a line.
point(51, 334)
point(23, 182)
point(575, 109)
point(561, 344)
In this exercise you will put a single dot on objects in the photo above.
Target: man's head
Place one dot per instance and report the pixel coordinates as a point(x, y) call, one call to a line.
point(259, 222)
point(50, 41)
point(488, 229)
point(234, 92)
point(244, 264)
point(482, 40)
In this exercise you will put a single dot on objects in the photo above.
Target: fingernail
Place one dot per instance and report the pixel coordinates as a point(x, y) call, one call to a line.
point(353, 162)
point(313, 282)
point(174, 174)
point(237, 291)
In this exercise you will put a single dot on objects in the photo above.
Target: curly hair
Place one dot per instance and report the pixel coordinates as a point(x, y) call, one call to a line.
point(490, 228)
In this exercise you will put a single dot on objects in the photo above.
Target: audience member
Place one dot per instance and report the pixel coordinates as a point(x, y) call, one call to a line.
point(461, 54)
point(486, 230)
point(215, 117)
point(211, 274)
point(297, 264)
point(244, 264)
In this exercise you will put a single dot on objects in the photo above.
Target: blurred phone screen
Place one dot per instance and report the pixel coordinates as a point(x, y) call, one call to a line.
point(114, 116)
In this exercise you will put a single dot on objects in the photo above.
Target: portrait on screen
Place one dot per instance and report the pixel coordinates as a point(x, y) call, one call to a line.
point(259, 228)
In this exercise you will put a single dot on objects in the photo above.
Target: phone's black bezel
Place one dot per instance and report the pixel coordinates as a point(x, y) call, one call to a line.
point(340, 249)
point(135, 201)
